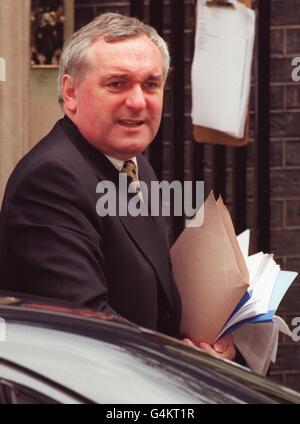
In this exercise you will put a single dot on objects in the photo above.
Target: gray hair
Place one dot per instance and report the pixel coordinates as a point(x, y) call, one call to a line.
point(112, 26)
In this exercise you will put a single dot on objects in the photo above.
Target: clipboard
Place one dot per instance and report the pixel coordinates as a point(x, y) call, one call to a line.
point(211, 136)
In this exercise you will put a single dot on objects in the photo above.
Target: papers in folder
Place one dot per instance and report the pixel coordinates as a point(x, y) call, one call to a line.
point(224, 290)
point(221, 69)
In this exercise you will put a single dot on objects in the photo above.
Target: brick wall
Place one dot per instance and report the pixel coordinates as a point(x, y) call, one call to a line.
point(285, 152)
point(285, 171)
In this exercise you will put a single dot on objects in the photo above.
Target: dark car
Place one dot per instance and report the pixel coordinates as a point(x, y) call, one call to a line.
point(58, 354)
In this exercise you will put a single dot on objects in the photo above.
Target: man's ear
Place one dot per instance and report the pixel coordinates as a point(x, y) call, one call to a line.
point(69, 93)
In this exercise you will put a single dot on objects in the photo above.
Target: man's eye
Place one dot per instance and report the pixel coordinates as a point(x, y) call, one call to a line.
point(116, 84)
point(151, 85)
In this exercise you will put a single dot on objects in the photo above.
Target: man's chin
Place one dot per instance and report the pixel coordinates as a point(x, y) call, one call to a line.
point(133, 149)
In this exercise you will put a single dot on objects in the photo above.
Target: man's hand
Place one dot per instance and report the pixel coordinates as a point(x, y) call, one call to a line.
point(224, 348)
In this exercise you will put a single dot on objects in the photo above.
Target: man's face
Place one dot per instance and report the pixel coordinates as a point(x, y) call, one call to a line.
point(118, 105)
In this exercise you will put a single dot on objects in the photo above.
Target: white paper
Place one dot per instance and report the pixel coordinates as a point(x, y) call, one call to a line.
point(283, 282)
point(209, 273)
point(243, 241)
point(221, 69)
point(224, 290)
point(256, 343)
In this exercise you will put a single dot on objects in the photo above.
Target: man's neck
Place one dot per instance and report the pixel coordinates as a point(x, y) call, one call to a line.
point(118, 163)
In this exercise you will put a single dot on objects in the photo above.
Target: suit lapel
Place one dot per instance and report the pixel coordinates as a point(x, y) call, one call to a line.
point(146, 231)
point(143, 232)
point(157, 220)
point(147, 236)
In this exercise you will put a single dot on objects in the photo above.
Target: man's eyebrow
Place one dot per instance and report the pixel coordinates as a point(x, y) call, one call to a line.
point(155, 77)
point(152, 77)
point(116, 75)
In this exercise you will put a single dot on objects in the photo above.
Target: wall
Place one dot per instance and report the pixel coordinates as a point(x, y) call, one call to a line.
point(14, 43)
point(285, 171)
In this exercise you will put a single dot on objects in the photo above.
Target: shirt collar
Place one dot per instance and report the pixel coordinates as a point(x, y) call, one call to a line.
point(118, 164)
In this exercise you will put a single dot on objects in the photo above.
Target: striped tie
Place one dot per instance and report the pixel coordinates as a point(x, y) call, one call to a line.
point(130, 168)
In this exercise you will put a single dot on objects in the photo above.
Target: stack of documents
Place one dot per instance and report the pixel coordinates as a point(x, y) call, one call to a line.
point(221, 69)
point(224, 290)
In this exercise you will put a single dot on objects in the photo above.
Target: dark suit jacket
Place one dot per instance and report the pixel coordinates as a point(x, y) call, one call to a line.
point(53, 243)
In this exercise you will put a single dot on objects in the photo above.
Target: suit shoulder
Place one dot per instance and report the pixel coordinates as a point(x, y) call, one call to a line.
point(54, 151)
point(54, 161)
point(54, 146)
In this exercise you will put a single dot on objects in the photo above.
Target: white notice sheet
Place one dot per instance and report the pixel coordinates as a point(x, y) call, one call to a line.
point(221, 69)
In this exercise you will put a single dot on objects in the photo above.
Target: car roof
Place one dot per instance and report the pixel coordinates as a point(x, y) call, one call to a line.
point(83, 321)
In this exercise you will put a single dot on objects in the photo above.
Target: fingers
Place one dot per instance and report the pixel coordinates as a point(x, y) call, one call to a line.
point(188, 342)
point(208, 348)
point(220, 346)
point(204, 346)
point(225, 347)
point(223, 343)
point(230, 353)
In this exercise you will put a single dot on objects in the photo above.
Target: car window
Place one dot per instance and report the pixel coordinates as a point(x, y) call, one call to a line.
point(105, 372)
point(14, 393)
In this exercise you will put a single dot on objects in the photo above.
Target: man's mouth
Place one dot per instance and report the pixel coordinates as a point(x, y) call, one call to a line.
point(130, 122)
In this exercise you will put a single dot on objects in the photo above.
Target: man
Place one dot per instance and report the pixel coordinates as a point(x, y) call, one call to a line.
point(52, 241)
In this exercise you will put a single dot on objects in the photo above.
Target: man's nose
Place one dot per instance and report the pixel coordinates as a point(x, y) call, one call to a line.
point(135, 99)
